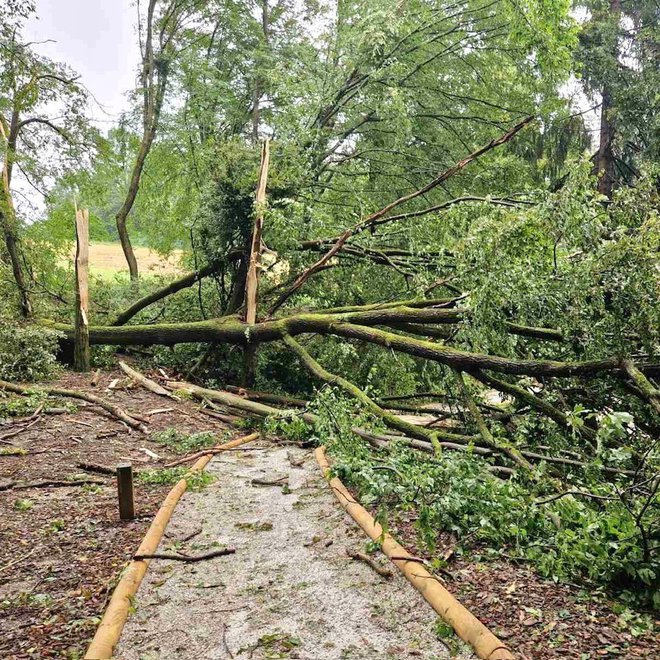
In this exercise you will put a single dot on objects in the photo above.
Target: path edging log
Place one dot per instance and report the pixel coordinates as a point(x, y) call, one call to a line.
point(486, 645)
point(109, 630)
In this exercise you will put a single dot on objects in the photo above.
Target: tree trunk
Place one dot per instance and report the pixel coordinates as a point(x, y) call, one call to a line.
point(154, 77)
point(605, 167)
point(231, 330)
point(81, 354)
point(8, 222)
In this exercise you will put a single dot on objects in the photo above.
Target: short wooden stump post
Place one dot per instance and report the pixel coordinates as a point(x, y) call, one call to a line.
point(125, 491)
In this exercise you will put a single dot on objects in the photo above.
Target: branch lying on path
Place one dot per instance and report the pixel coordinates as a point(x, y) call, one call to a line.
point(277, 399)
point(373, 217)
point(233, 401)
point(173, 287)
point(17, 485)
point(208, 452)
point(5, 438)
point(100, 469)
point(147, 383)
point(76, 394)
point(18, 560)
point(382, 571)
point(186, 558)
point(264, 481)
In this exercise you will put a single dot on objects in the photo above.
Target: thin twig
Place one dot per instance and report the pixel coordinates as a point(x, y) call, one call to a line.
point(186, 558)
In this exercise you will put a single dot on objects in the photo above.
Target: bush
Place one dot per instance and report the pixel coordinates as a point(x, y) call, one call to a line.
point(27, 353)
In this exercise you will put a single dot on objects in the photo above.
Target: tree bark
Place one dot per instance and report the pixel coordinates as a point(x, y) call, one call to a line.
point(81, 355)
point(605, 164)
point(231, 330)
point(154, 77)
point(8, 218)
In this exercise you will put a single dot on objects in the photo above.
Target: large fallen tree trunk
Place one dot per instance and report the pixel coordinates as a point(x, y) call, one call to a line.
point(116, 411)
point(232, 330)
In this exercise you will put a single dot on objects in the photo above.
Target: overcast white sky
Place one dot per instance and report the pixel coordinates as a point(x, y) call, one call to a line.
point(97, 39)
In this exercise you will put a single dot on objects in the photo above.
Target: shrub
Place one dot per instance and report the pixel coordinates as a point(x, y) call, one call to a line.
point(27, 353)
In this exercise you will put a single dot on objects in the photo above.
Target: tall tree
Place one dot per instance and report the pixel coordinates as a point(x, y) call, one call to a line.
point(618, 63)
point(159, 32)
point(42, 125)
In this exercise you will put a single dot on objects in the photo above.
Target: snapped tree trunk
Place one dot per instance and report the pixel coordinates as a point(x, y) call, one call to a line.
point(81, 343)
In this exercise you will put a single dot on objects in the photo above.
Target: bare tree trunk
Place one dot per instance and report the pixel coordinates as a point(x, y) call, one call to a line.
point(13, 250)
point(81, 343)
point(154, 77)
point(8, 222)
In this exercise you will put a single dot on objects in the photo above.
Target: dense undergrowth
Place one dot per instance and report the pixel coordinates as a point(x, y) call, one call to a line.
point(608, 540)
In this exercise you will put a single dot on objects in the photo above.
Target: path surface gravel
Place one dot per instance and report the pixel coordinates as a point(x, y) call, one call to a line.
point(290, 591)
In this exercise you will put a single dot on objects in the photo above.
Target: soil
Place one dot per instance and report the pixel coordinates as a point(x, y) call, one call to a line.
point(62, 548)
point(538, 618)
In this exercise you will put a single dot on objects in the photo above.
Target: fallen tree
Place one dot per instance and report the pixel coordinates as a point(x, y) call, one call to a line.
point(351, 325)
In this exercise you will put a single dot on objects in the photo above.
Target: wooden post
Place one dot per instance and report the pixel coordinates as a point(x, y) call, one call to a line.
point(81, 341)
point(125, 491)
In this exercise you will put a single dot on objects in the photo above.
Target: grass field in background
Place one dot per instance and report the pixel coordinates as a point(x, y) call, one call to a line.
point(107, 260)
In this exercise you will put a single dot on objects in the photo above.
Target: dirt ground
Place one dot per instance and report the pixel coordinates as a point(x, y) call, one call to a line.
point(62, 548)
point(290, 591)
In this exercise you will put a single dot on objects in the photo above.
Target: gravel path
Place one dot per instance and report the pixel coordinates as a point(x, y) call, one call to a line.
point(290, 591)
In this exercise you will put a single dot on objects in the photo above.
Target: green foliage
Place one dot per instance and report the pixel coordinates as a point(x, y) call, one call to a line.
point(23, 504)
point(27, 352)
point(602, 541)
point(170, 476)
point(290, 427)
point(184, 443)
point(20, 406)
